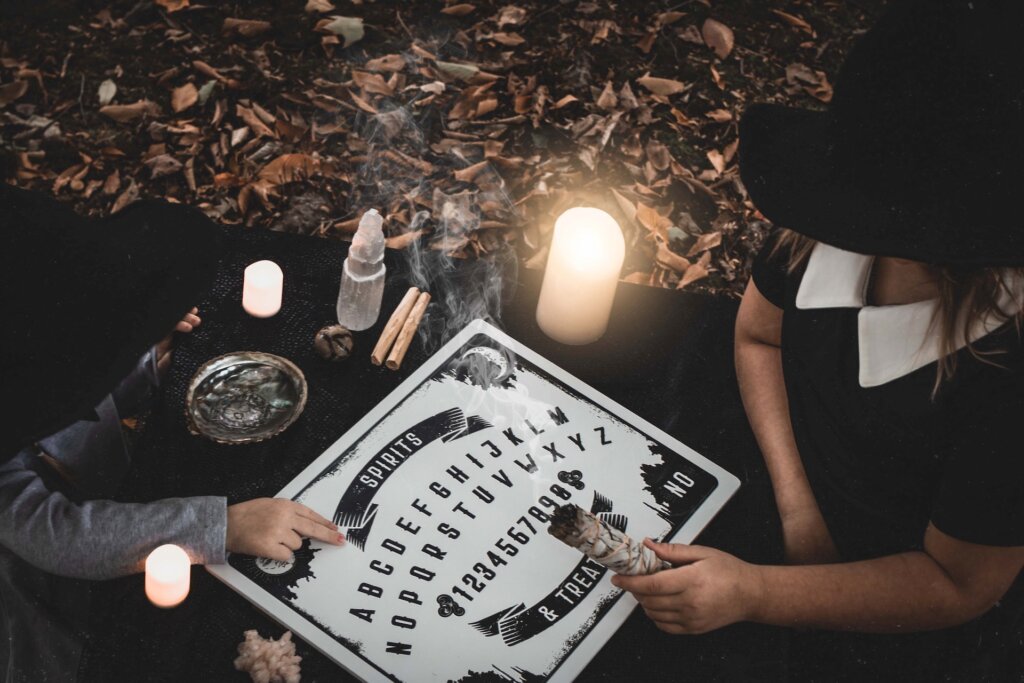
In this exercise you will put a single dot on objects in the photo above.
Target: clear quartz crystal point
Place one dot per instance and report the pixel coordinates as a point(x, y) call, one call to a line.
point(362, 275)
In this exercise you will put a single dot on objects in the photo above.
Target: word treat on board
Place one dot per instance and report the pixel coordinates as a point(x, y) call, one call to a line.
point(446, 491)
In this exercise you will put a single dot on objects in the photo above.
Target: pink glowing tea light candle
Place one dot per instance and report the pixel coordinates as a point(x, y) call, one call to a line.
point(261, 289)
point(168, 571)
point(581, 276)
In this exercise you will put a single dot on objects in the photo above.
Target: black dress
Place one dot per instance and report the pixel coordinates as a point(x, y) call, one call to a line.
point(886, 459)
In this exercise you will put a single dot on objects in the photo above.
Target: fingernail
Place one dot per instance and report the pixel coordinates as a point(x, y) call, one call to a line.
point(341, 539)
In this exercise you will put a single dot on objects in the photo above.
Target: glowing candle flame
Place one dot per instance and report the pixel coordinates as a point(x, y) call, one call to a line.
point(581, 276)
point(261, 289)
point(168, 571)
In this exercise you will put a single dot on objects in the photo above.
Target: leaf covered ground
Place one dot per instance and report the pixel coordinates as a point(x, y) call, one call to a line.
point(471, 126)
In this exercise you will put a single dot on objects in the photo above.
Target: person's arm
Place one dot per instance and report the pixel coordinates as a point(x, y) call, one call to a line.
point(102, 539)
point(759, 371)
point(947, 584)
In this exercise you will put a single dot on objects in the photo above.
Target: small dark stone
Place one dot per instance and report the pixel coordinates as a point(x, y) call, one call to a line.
point(333, 343)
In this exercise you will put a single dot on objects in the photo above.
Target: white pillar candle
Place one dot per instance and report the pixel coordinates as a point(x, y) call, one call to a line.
point(582, 273)
point(261, 289)
point(168, 571)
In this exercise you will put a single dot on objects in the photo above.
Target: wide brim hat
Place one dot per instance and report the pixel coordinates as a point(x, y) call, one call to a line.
point(919, 154)
point(84, 299)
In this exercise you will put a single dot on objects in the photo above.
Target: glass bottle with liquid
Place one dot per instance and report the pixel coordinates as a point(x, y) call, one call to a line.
point(362, 275)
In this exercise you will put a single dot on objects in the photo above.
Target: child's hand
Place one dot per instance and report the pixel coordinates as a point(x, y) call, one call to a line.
point(709, 590)
point(274, 527)
point(165, 346)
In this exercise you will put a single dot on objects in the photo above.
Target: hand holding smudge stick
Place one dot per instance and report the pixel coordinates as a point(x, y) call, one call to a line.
point(602, 543)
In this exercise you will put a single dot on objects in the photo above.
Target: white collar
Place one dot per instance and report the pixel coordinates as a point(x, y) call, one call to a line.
point(893, 341)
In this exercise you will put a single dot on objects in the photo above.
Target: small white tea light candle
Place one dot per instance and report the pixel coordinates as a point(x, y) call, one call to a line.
point(582, 273)
point(168, 571)
point(261, 289)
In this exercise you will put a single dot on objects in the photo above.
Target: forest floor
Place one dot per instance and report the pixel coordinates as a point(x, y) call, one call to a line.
point(471, 126)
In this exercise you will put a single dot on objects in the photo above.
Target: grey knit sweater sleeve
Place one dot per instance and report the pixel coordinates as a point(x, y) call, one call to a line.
point(101, 539)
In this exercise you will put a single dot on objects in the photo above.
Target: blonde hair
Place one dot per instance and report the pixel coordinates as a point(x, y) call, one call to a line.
point(967, 294)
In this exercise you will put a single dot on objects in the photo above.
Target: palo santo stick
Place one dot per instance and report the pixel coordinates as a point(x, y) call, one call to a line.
point(380, 351)
point(408, 332)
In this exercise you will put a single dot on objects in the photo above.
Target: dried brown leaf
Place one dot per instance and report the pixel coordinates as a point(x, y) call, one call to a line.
point(608, 100)
point(794, 21)
point(349, 28)
point(105, 93)
point(372, 83)
point(470, 173)
point(801, 74)
point(184, 97)
point(647, 42)
point(265, 116)
point(486, 105)
point(720, 115)
point(247, 28)
point(464, 72)
point(653, 221)
point(508, 39)
point(510, 14)
point(718, 37)
point(661, 86)
point(423, 52)
point(363, 104)
point(666, 18)
point(460, 10)
point(66, 177)
point(717, 77)
point(290, 131)
point(207, 70)
point(240, 135)
point(717, 160)
point(126, 113)
point(226, 180)
point(658, 154)
point(704, 242)
point(289, 168)
point(627, 207)
point(691, 34)
point(697, 271)
point(386, 63)
point(318, 6)
point(254, 121)
point(814, 82)
point(667, 258)
point(172, 5)
point(113, 182)
point(9, 92)
point(564, 101)
point(130, 194)
point(162, 165)
point(730, 150)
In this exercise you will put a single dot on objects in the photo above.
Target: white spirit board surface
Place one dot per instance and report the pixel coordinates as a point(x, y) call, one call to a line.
point(443, 491)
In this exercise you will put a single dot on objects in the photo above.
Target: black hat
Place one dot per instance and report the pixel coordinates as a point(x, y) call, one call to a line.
point(83, 299)
point(919, 154)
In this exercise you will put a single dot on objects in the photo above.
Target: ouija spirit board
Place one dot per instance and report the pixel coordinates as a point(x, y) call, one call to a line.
point(444, 492)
